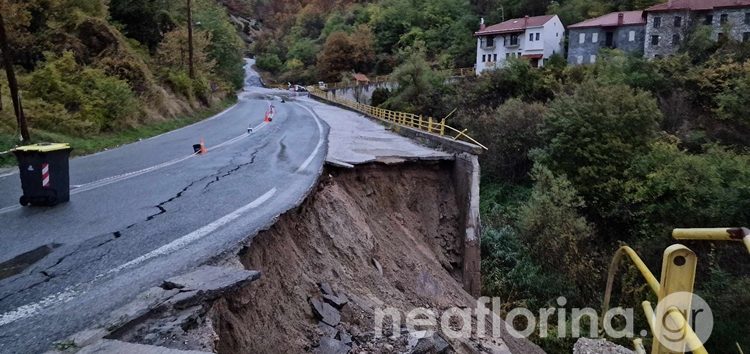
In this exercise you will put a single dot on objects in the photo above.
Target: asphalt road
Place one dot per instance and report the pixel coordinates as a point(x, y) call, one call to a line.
point(147, 211)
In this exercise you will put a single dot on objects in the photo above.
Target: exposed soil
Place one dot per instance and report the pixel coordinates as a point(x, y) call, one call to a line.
point(383, 236)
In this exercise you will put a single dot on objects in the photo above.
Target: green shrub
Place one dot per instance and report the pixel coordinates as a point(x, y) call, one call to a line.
point(180, 83)
point(510, 132)
point(91, 97)
point(269, 62)
point(593, 134)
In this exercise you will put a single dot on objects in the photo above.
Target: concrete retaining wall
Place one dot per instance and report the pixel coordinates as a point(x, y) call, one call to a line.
point(361, 93)
point(466, 174)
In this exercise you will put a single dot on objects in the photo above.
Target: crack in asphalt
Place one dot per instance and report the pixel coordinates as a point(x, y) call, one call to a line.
point(49, 275)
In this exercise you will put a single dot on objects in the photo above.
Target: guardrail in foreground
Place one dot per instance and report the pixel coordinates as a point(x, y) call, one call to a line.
point(427, 124)
point(677, 280)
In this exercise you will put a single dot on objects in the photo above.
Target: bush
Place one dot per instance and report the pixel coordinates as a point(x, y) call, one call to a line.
point(509, 132)
point(269, 62)
point(594, 134)
point(550, 224)
point(380, 96)
point(92, 98)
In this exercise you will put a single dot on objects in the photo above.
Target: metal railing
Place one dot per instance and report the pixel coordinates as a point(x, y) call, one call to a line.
point(677, 278)
point(410, 120)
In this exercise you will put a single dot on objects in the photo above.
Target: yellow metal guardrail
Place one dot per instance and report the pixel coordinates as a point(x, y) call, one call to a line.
point(427, 124)
point(677, 278)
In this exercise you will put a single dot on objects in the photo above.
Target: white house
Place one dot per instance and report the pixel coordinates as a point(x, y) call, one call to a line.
point(534, 38)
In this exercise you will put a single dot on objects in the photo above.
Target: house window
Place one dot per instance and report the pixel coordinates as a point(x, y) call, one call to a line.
point(657, 22)
point(721, 36)
point(654, 40)
point(676, 39)
point(513, 39)
point(531, 37)
point(579, 59)
point(631, 36)
point(747, 18)
point(723, 19)
point(746, 37)
point(484, 58)
point(678, 21)
point(592, 59)
point(582, 38)
point(537, 36)
point(507, 56)
point(490, 42)
point(494, 58)
point(709, 20)
point(594, 37)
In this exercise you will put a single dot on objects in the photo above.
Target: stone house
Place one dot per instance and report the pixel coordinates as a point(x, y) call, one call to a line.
point(668, 24)
point(533, 38)
point(620, 30)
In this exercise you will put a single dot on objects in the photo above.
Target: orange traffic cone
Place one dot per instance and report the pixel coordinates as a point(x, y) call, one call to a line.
point(267, 119)
point(203, 149)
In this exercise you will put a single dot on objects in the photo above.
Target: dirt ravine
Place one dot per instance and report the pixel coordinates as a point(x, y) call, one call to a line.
point(381, 235)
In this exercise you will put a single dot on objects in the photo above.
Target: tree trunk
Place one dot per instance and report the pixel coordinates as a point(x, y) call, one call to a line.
point(191, 67)
point(1, 97)
point(12, 83)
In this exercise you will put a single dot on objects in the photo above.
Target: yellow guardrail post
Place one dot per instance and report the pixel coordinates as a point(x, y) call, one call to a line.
point(738, 234)
point(676, 293)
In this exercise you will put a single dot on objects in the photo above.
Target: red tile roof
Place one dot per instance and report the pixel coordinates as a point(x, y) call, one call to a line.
point(515, 25)
point(360, 78)
point(613, 19)
point(698, 5)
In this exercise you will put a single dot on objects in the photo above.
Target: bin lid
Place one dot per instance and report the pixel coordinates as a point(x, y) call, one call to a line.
point(43, 147)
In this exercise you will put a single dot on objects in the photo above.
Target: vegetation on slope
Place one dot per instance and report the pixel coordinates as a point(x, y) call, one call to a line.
point(90, 70)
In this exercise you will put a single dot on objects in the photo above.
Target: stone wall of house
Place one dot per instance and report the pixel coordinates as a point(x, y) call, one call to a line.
point(622, 38)
point(582, 52)
point(735, 27)
point(666, 45)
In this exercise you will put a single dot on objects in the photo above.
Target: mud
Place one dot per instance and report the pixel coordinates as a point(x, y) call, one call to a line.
point(383, 236)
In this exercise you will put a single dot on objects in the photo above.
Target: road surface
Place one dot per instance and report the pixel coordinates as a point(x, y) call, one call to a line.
point(147, 211)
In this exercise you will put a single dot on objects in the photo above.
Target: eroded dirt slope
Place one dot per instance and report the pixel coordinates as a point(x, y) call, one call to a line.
point(383, 236)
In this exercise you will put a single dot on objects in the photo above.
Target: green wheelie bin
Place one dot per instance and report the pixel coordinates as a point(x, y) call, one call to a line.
point(44, 172)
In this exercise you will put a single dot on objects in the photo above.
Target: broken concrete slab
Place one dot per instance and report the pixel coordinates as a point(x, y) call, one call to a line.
point(326, 288)
point(118, 347)
point(434, 344)
point(325, 312)
point(208, 283)
point(336, 301)
point(344, 337)
point(326, 330)
point(331, 346)
point(598, 346)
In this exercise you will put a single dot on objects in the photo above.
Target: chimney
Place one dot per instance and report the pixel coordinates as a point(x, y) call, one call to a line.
point(482, 26)
point(526, 21)
point(620, 19)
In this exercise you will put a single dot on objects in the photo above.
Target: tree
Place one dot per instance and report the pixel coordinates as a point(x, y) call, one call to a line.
point(335, 57)
point(421, 90)
point(12, 82)
point(594, 134)
point(510, 132)
point(550, 224)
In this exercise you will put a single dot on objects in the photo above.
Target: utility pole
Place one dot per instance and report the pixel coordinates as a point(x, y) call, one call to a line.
point(190, 39)
point(12, 82)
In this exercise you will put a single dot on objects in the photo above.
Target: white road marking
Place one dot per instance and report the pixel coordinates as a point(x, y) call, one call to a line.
point(125, 176)
point(9, 174)
point(320, 140)
point(74, 291)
